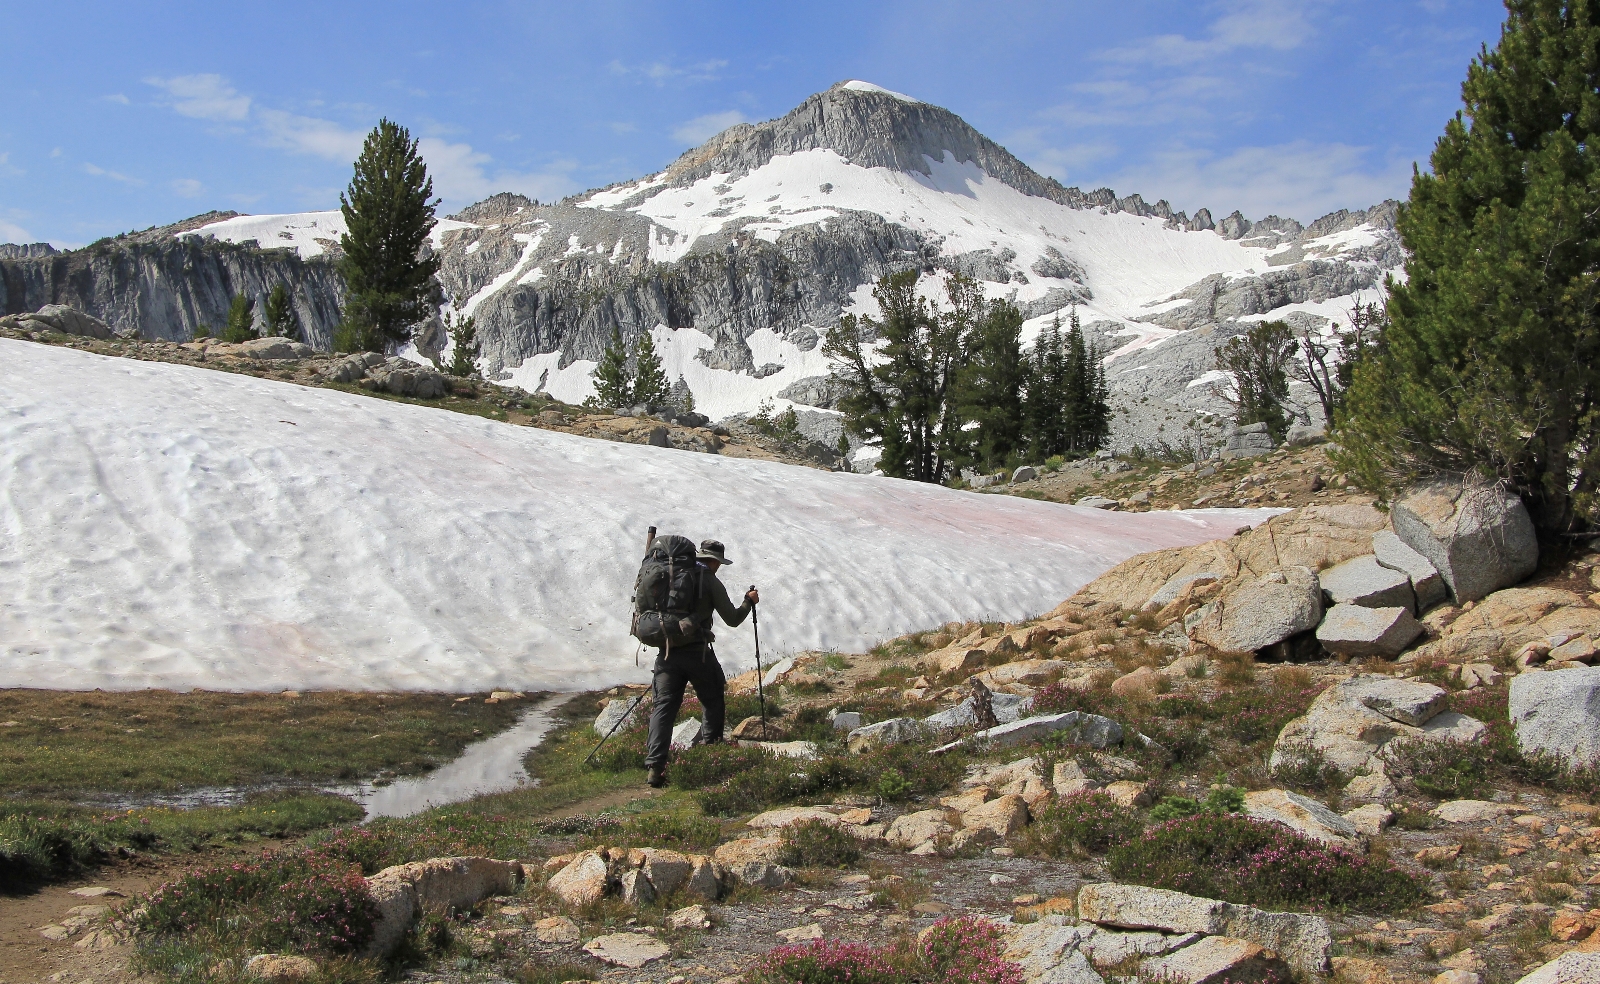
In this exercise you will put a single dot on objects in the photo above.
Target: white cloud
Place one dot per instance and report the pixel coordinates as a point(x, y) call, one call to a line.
point(118, 98)
point(101, 172)
point(660, 72)
point(703, 128)
point(1300, 180)
point(204, 97)
point(461, 174)
point(188, 188)
point(1279, 25)
point(13, 233)
point(55, 152)
point(309, 135)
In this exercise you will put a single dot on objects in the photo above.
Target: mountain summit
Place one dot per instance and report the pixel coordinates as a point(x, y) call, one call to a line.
point(743, 251)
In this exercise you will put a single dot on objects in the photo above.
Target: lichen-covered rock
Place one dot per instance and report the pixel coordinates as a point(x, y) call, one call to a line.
point(1005, 816)
point(1363, 581)
point(582, 881)
point(914, 830)
point(1352, 721)
point(1215, 960)
point(1303, 815)
point(1426, 584)
point(1478, 537)
point(1356, 631)
point(895, 731)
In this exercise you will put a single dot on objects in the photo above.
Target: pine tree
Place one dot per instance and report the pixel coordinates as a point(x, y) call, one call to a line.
point(1045, 404)
point(1087, 411)
point(388, 216)
point(464, 347)
point(279, 314)
point(650, 387)
point(992, 385)
point(1258, 361)
point(1491, 362)
point(241, 326)
point(904, 399)
point(613, 384)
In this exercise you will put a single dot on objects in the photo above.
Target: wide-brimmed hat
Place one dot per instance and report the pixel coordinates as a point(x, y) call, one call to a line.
point(712, 550)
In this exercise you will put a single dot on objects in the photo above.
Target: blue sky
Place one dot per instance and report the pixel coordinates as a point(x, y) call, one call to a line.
point(126, 115)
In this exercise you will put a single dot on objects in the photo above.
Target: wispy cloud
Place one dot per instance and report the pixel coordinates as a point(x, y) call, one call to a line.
point(118, 98)
point(101, 172)
point(203, 97)
point(703, 128)
point(7, 169)
point(1303, 180)
point(10, 232)
point(661, 72)
point(309, 135)
point(461, 174)
point(188, 188)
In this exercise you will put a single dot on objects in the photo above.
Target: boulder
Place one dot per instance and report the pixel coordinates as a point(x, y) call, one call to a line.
point(1217, 960)
point(619, 713)
point(1006, 707)
point(753, 729)
point(635, 889)
point(667, 871)
point(895, 731)
point(556, 929)
point(690, 917)
point(1028, 672)
point(1472, 811)
point(1249, 441)
point(280, 968)
point(351, 368)
point(760, 874)
point(403, 378)
point(630, 950)
point(1096, 502)
point(1557, 712)
point(789, 816)
point(686, 734)
point(1143, 680)
point(1005, 816)
point(1024, 473)
point(1304, 941)
point(1354, 631)
point(1407, 701)
point(1426, 584)
point(1371, 819)
point(914, 830)
point(1109, 949)
point(1365, 582)
point(748, 849)
point(1051, 953)
point(1076, 727)
point(1263, 612)
point(582, 881)
point(1478, 537)
point(63, 319)
point(1569, 968)
point(274, 348)
point(847, 721)
point(1068, 778)
point(1303, 815)
point(1350, 723)
point(1176, 586)
point(401, 892)
point(1510, 620)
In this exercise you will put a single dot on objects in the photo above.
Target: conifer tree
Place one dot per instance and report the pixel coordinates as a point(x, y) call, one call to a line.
point(1046, 399)
point(388, 216)
point(279, 314)
point(992, 384)
point(464, 346)
point(241, 326)
point(1087, 411)
point(650, 387)
point(1259, 363)
point(1491, 360)
point(613, 383)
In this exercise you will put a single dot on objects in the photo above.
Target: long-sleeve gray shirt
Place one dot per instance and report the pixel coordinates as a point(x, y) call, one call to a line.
point(714, 598)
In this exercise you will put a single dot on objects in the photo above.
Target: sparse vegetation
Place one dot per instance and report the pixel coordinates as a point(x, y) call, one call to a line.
point(1081, 824)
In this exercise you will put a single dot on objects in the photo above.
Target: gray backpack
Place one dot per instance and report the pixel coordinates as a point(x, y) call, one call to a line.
point(666, 594)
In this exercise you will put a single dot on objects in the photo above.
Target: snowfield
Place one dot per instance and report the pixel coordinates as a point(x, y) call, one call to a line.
point(169, 526)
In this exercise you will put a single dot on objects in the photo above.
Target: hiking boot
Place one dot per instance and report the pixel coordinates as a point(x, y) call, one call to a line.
point(657, 777)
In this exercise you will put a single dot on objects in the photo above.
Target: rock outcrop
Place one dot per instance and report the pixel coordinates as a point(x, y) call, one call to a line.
point(1557, 713)
point(1479, 538)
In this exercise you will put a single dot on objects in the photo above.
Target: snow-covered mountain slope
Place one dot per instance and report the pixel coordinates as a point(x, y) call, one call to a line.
point(177, 527)
point(744, 251)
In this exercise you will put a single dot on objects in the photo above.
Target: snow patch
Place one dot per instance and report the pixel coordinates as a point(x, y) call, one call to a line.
point(855, 85)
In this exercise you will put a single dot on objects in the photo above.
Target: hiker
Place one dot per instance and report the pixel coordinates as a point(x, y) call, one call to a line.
point(693, 661)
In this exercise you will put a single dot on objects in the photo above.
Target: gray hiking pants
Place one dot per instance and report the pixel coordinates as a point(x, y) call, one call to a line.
point(697, 668)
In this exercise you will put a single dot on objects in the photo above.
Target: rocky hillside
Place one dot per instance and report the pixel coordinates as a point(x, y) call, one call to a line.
point(740, 254)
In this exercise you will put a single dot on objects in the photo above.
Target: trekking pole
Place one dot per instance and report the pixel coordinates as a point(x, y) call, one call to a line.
point(761, 693)
point(626, 715)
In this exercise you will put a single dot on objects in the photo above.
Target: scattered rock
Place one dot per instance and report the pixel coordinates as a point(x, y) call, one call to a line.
point(1370, 819)
point(1005, 816)
point(1438, 854)
point(280, 967)
point(1353, 631)
point(686, 734)
point(1266, 611)
point(1024, 473)
point(789, 816)
point(1365, 582)
point(620, 713)
point(1096, 502)
point(800, 934)
point(1077, 728)
point(59, 318)
point(1303, 815)
point(401, 892)
point(1569, 968)
point(690, 917)
point(556, 929)
point(916, 830)
point(895, 731)
point(1217, 959)
point(1472, 811)
point(630, 950)
point(1128, 793)
point(1558, 713)
point(582, 881)
point(1479, 538)
point(96, 892)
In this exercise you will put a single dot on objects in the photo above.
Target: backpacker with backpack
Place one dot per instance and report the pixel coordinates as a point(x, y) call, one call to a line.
point(666, 594)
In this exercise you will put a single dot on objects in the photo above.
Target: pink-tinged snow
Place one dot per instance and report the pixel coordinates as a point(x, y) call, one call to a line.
point(178, 527)
point(300, 231)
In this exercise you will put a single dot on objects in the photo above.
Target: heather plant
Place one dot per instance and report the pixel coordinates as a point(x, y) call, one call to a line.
point(1088, 822)
point(951, 951)
point(1241, 859)
point(818, 844)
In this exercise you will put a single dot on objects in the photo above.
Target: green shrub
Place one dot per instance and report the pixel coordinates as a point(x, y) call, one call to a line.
point(1304, 767)
point(818, 844)
point(678, 831)
point(1087, 822)
point(623, 751)
point(773, 780)
point(708, 765)
point(1221, 799)
point(1443, 769)
point(1241, 859)
point(892, 785)
point(555, 968)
